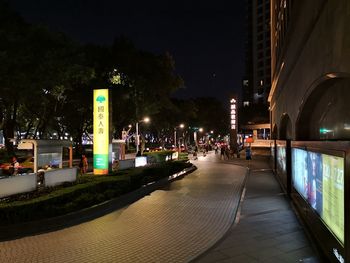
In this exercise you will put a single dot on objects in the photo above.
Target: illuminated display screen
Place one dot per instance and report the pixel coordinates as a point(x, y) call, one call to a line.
point(101, 131)
point(281, 158)
point(319, 179)
point(272, 149)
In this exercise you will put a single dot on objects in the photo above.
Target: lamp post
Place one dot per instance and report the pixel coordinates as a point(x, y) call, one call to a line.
point(195, 135)
point(146, 120)
point(201, 135)
point(175, 142)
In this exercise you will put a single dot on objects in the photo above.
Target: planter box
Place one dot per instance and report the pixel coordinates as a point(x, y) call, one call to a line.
point(17, 184)
point(60, 176)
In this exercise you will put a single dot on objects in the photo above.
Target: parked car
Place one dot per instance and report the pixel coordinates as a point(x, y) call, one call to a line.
point(26, 165)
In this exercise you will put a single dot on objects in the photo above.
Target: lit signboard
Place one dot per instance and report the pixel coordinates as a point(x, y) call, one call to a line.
point(101, 131)
point(281, 158)
point(233, 103)
point(319, 179)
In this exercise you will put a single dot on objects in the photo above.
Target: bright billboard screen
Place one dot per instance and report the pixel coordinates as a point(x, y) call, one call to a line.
point(281, 158)
point(319, 179)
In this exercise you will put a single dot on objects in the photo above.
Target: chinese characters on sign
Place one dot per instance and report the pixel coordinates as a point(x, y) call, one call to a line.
point(233, 103)
point(100, 118)
point(101, 131)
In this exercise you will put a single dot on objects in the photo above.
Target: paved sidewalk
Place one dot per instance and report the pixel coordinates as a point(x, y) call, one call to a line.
point(173, 224)
point(266, 228)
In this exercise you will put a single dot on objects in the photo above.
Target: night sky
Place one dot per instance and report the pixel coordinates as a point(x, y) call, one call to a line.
point(206, 38)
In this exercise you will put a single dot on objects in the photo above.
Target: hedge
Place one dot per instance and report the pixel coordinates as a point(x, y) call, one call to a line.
point(90, 190)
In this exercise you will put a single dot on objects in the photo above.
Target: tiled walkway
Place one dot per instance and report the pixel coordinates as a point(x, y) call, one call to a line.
point(266, 228)
point(174, 224)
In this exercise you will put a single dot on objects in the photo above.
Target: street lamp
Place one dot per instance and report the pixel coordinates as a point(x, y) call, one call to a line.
point(146, 120)
point(195, 135)
point(180, 126)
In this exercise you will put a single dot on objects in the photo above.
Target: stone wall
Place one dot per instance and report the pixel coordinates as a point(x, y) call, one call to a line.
point(317, 48)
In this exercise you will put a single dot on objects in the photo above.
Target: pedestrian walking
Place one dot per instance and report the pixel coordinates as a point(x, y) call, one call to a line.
point(222, 152)
point(248, 153)
point(195, 153)
point(216, 148)
point(227, 153)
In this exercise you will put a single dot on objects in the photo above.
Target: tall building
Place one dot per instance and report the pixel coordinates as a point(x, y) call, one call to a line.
point(257, 81)
point(254, 114)
point(310, 69)
point(309, 105)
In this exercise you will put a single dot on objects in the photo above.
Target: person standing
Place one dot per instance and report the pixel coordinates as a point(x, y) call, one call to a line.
point(83, 165)
point(248, 153)
point(195, 152)
point(222, 152)
point(216, 149)
point(15, 165)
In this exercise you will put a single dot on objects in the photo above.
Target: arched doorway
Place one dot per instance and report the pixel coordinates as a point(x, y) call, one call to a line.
point(274, 132)
point(285, 132)
point(326, 112)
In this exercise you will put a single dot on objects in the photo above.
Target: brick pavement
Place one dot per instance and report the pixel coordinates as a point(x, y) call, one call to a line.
point(174, 224)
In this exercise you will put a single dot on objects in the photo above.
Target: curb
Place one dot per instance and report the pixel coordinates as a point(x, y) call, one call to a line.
point(234, 223)
point(10, 232)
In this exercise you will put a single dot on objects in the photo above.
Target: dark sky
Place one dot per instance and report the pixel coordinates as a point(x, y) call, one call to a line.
point(206, 38)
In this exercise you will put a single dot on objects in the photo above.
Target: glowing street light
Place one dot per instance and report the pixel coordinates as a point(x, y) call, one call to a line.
point(181, 126)
point(145, 120)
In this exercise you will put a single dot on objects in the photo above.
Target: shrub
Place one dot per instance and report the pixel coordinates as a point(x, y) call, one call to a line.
point(89, 191)
point(157, 157)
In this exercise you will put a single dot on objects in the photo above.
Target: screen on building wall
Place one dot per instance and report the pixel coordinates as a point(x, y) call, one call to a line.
point(319, 179)
point(272, 149)
point(281, 158)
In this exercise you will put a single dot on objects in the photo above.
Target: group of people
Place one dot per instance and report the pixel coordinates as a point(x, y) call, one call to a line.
point(83, 165)
point(204, 149)
point(226, 153)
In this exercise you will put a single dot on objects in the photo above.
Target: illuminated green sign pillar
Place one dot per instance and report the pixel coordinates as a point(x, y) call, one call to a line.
point(102, 135)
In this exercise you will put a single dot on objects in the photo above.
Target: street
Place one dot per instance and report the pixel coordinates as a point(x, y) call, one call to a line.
point(173, 224)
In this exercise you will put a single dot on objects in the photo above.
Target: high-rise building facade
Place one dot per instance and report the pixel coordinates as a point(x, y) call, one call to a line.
point(257, 80)
point(310, 115)
point(310, 69)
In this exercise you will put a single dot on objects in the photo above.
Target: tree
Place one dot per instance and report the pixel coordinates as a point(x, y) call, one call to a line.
point(38, 70)
point(147, 81)
point(16, 63)
point(211, 115)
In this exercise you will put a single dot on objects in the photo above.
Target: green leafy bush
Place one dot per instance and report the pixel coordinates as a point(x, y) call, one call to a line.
point(90, 190)
point(159, 156)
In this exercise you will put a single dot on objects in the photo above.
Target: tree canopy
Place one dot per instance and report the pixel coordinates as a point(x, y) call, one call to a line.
point(46, 83)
